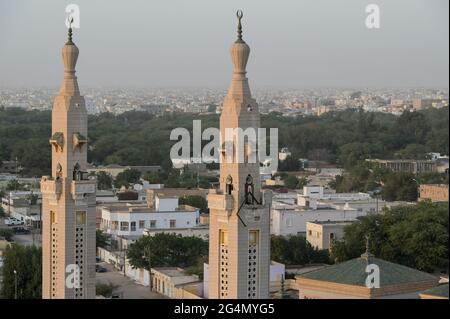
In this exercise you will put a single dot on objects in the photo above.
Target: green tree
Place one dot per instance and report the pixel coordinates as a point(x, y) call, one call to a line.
point(6, 233)
point(400, 187)
point(105, 290)
point(167, 250)
point(104, 181)
point(27, 261)
point(414, 236)
point(296, 250)
point(102, 240)
point(291, 182)
point(155, 177)
point(290, 164)
point(195, 201)
point(127, 177)
point(303, 181)
point(413, 127)
point(14, 185)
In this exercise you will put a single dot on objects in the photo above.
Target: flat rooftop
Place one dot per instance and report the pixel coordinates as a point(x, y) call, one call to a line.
point(331, 222)
point(171, 271)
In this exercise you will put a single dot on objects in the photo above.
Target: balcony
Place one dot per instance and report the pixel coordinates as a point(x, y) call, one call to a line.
point(220, 201)
point(81, 190)
point(51, 189)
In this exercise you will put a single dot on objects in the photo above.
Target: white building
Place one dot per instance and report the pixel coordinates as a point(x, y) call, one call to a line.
point(284, 154)
point(322, 235)
point(176, 283)
point(130, 220)
point(290, 212)
point(24, 206)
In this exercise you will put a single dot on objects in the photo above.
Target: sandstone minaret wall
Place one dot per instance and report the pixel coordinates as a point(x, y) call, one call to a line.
point(68, 208)
point(239, 237)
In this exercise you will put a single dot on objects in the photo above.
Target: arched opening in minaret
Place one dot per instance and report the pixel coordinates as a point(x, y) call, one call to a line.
point(77, 175)
point(229, 185)
point(58, 171)
point(249, 190)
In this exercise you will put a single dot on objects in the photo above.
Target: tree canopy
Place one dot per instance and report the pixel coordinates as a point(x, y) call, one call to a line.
point(195, 201)
point(140, 138)
point(296, 250)
point(27, 261)
point(413, 235)
point(168, 250)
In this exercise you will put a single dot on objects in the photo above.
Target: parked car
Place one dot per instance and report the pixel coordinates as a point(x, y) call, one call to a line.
point(11, 221)
point(21, 230)
point(99, 268)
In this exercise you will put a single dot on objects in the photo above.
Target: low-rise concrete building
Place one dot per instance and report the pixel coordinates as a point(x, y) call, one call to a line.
point(24, 206)
point(322, 235)
point(290, 212)
point(130, 220)
point(439, 292)
point(434, 192)
point(347, 280)
point(201, 231)
point(174, 192)
point(114, 169)
point(406, 165)
point(176, 283)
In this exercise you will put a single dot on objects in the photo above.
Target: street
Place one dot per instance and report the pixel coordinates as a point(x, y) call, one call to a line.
point(23, 239)
point(127, 288)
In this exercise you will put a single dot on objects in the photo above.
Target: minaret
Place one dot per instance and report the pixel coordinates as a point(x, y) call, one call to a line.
point(239, 236)
point(68, 196)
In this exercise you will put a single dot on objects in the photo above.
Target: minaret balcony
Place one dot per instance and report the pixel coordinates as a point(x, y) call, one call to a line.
point(81, 190)
point(51, 189)
point(220, 202)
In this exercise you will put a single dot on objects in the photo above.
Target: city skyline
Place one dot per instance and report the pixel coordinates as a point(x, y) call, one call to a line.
point(332, 183)
point(306, 44)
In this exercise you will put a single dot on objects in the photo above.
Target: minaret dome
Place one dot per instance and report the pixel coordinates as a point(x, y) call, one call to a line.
point(239, 51)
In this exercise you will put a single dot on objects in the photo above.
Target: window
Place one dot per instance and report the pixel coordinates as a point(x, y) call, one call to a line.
point(253, 237)
point(133, 226)
point(172, 223)
point(309, 232)
point(124, 226)
point(114, 225)
point(153, 224)
point(289, 222)
point(223, 237)
point(81, 218)
point(52, 217)
point(141, 224)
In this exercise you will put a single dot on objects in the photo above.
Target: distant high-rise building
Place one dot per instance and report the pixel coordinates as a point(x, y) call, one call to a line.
point(239, 238)
point(68, 205)
point(419, 104)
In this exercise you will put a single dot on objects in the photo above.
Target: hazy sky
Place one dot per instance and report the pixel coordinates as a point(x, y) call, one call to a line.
point(185, 43)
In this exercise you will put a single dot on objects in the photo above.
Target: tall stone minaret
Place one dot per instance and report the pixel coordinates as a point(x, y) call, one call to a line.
point(239, 236)
point(68, 234)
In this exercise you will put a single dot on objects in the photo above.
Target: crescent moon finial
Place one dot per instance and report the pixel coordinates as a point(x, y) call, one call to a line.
point(239, 15)
point(69, 40)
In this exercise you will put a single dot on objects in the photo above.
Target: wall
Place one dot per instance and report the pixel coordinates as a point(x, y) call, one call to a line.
point(293, 222)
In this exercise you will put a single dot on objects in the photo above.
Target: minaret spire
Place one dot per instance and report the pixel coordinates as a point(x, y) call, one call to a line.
point(239, 242)
point(240, 51)
point(68, 195)
point(70, 55)
point(367, 254)
point(69, 40)
point(239, 15)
